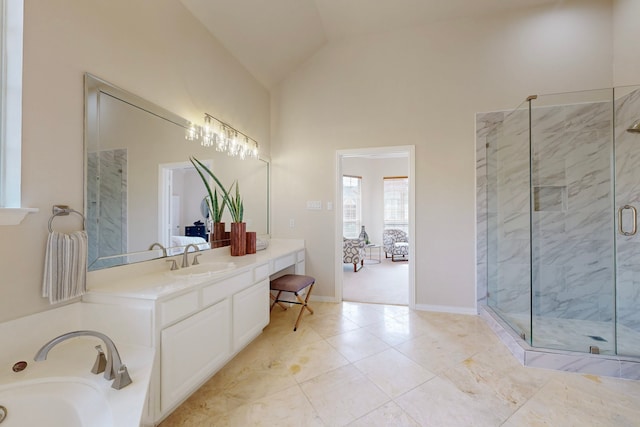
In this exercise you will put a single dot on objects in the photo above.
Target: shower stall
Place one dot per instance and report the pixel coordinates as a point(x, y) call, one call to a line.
point(558, 242)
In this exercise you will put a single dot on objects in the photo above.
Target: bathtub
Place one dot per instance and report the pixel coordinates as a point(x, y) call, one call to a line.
point(62, 392)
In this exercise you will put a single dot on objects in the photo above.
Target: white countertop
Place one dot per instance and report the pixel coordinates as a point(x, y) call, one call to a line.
point(153, 279)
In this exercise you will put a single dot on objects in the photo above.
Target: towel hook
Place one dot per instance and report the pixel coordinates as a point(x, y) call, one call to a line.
point(63, 210)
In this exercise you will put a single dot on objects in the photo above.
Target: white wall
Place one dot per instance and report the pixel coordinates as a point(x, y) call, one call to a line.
point(422, 86)
point(373, 171)
point(626, 47)
point(153, 48)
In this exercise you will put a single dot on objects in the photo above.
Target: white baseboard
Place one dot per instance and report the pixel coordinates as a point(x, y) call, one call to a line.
point(323, 299)
point(447, 309)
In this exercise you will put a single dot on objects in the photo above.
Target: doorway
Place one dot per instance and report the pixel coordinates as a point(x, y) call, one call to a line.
point(376, 279)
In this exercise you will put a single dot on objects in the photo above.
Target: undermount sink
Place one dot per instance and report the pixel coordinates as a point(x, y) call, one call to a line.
point(203, 270)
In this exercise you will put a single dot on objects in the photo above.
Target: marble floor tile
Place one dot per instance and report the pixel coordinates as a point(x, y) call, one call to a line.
point(309, 361)
point(393, 372)
point(374, 365)
point(289, 407)
point(343, 395)
point(388, 415)
point(357, 344)
point(398, 329)
point(579, 400)
point(438, 402)
point(362, 314)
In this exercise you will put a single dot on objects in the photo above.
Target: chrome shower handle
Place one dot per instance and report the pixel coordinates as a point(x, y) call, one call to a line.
point(634, 213)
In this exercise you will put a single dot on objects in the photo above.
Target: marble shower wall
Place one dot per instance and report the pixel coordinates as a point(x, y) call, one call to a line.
point(627, 111)
point(572, 224)
point(107, 196)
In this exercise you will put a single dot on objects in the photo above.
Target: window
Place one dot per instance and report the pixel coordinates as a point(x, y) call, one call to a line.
point(396, 203)
point(351, 206)
point(11, 26)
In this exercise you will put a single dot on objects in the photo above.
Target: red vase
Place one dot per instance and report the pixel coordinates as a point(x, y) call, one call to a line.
point(238, 238)
point(217, 237)
point(251, 242)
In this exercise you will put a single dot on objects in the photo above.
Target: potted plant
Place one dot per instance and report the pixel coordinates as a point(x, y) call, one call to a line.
point(233, 202)
point(216, 210)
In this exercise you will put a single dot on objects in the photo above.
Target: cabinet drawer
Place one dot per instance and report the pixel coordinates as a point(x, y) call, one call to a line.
point(284, 262)
point(176, 308)
point(223, 289)
point(261, 272)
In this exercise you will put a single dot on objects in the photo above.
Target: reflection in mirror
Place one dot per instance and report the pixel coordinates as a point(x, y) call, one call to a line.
point(141, 187)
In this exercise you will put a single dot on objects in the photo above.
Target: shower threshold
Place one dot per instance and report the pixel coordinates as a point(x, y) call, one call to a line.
point(560, 360)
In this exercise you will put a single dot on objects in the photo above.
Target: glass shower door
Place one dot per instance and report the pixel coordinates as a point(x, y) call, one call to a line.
point(572, 230)
point(508, 206)
point(627, 149)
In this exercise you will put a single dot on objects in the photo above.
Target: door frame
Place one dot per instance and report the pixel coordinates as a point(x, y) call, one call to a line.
point(409, 151)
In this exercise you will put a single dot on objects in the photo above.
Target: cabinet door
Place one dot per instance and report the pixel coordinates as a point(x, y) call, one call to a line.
point(192, 350)
point(250, 313)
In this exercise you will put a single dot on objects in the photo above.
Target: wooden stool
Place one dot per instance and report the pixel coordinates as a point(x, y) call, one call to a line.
point(293, 283)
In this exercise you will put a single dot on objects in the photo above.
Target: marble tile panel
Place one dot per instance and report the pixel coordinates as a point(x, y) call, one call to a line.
point(589, 116)
point(551, 120)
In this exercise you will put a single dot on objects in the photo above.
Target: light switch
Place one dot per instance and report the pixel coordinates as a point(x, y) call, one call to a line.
point(292, 223)
point(329, 206)
point(315, 205)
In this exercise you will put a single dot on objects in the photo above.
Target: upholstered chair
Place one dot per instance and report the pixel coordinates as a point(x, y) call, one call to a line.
point(395, 244)
point(353, 252)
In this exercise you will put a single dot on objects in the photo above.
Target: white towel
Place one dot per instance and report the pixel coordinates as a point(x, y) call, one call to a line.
point(65, 266)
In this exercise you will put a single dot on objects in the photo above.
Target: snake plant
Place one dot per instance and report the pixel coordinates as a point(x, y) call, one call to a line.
point(234, 203)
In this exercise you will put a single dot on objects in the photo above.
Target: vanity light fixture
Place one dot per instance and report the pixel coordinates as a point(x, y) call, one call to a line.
point(224, 137)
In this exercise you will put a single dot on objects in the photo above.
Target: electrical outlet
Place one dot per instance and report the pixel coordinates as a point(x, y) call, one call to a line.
point(292, 223)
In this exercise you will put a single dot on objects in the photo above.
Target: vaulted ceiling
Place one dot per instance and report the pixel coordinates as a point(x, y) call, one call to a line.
point(273, 37)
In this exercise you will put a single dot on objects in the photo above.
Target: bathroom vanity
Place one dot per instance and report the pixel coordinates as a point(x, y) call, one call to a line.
point(196, 318)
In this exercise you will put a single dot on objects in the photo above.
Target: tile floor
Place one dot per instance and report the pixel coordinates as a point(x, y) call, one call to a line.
point(379, 365)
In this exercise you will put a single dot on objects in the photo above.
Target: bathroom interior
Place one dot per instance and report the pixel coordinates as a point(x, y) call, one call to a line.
point(525, 215)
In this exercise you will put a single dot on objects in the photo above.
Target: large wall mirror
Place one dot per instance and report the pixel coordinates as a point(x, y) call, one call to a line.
point(140, 186)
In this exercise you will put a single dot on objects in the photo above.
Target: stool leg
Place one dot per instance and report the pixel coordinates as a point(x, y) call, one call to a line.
point(276, 301)
point(304, 305)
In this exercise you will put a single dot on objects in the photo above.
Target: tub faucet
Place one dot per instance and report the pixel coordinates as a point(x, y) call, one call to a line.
point(115, 369)
point(185, 256)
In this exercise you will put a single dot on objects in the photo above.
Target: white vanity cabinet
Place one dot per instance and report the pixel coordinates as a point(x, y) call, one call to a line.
point(202, 329)
point(195, 327)
point(191, 350)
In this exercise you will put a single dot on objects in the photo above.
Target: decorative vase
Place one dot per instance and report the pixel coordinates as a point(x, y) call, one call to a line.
point(238, 238)
point(251, 242)
point(217, 237)
point(364, 236)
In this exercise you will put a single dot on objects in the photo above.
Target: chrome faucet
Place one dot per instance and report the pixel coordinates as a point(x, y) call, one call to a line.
point(185, 256)
point(115, 369)
point(164, 250)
